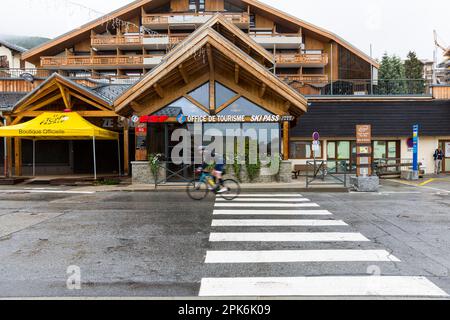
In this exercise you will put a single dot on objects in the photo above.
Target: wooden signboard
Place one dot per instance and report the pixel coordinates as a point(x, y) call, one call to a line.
point(141, 142)
point(363, 150)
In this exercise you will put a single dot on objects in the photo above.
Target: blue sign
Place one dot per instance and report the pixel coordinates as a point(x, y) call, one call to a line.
point(181, 118)
point(416, 148)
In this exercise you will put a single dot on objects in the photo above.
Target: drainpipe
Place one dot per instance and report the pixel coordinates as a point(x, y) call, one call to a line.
point(5, 151)
point(331, 69)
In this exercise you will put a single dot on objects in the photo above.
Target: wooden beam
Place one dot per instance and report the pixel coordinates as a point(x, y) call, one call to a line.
point(183, 73)
point(65, 96)
point(287, 105)
point(8, 151)
point(196, 103)
point(18, 157)
point(126, 148)
point(286, 140)
point(226, 104)
point(210, 58)
point(159, 90)
point(21, 115)
point(262, 90)
point(86, 114)
point(236, 73)
point(90, 102)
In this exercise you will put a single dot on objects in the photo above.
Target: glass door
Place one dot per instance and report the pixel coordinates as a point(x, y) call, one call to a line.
point(445, 146)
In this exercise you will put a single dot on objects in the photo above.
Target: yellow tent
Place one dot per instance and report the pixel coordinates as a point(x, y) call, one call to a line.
point(60, 126)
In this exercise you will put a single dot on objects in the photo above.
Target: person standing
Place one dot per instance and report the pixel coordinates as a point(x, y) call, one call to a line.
point(438, 157)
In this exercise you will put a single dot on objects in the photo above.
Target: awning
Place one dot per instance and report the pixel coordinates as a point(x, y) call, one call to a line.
point(58, 126)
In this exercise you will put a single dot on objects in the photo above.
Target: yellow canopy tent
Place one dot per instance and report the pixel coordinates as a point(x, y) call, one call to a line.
point(60, 126)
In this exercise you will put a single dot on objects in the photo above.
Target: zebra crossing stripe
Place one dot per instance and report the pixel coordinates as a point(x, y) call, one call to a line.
point(287, 237)
point(289, 256)
point(265, 195)
point(266, 200)
point(273, 212)
point(356, 286)
point(277, 223)
point(265, 205)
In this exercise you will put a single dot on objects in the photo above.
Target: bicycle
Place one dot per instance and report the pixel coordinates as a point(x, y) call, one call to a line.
point(199, 189)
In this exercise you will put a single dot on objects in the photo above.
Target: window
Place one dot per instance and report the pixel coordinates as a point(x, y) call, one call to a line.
point(223, 94)
point(201, 95)
point(341, 156)
point(197, 5)
point(244, 107)
point(303, 150)
point(4, 62)
point(182, 105)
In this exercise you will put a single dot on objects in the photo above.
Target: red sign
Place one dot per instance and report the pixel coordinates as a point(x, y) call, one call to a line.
point(153, 119)
point(141, 130)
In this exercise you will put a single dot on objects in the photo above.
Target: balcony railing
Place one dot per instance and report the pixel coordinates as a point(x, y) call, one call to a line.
point(302, 59)
point(133, 40)
point(313, 78)
point(307, 85)
point(239, 18)
point(18, 73)
point(88, 61)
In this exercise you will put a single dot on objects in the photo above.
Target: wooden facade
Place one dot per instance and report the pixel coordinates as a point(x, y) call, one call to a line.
point(148, 30)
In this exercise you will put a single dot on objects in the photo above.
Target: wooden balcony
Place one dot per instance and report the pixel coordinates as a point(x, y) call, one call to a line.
point(162, 21)
point(100, 62)
point(299, 60)
point(281, 40)
point(130, 42)
point(309, 78)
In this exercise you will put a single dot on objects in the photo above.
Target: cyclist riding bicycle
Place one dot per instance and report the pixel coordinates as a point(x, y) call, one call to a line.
point(217, 173)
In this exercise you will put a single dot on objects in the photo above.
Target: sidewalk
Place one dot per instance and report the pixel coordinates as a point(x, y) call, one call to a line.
point(295, 186)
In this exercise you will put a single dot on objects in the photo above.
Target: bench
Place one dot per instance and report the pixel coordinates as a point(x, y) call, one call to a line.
point(298, 169)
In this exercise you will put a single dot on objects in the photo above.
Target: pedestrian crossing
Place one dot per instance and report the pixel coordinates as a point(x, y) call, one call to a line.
point(243, 229)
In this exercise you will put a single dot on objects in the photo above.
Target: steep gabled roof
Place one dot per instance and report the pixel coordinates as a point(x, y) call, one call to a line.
point(12, 46)
point(135, 6)
point(200, 39)
point(53, 82)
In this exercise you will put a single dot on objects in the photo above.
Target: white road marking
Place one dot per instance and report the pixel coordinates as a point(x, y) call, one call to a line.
point(266, 200)
point(321, 286)
point(287, 256)
point(277, 223)
point(265, 195)
point(287, 237)
point(265, 205)
point(47, 191)
point(273, 212)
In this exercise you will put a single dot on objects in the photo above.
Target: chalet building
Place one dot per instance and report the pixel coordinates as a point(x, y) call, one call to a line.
point(10, 56)
point(219, 62)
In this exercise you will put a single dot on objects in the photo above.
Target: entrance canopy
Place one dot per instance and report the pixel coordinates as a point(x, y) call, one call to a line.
point(58, 126)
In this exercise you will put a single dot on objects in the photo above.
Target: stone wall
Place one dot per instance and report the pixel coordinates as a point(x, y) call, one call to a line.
point(141, 173)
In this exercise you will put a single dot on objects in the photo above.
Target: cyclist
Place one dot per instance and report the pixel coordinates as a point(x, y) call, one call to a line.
point(218, 172)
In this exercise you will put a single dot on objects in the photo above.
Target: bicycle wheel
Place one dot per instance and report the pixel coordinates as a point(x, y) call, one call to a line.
point(233, 190)
point(197, 190)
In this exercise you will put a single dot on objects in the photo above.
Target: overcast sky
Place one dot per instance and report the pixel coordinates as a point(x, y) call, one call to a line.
point(395, 26)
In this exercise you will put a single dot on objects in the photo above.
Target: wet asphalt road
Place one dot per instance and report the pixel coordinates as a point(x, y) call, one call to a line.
point(154, 244)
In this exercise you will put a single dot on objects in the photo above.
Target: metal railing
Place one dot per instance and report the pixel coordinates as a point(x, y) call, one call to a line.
point(320, 174)
point(320, 85)
point(393, 167)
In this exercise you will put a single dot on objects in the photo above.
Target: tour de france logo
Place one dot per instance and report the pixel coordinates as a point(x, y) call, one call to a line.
point(55, 119)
